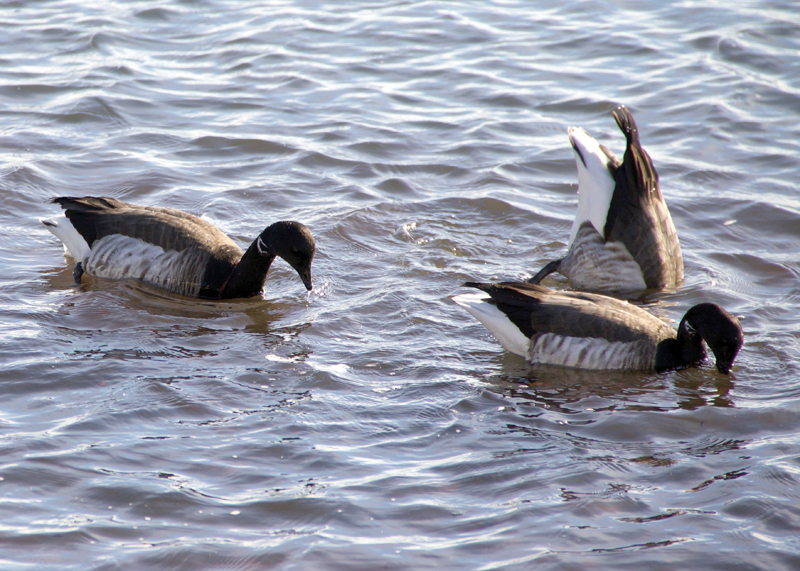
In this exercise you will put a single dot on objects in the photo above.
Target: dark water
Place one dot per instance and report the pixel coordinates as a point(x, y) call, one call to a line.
point(374, 424)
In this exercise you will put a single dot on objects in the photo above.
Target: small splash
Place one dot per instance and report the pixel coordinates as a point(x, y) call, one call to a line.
point(404, 231)
point(729, 222)
point(386, 389)
point(321, 289)
point(339, 369)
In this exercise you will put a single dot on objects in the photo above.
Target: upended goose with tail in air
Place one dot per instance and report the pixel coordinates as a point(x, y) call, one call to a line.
point(594, 331)
point(623, 238)
point(174, 250)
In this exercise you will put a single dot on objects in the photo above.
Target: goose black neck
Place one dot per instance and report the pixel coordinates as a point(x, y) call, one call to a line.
point(690, 340)
point(687, 349)
point(250, 273)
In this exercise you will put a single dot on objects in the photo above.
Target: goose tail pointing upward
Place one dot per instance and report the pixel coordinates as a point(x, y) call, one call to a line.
point(623, 237)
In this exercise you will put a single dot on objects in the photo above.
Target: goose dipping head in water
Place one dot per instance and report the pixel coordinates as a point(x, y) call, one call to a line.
point(593, 331)
point(174, 250)
point(623, 238)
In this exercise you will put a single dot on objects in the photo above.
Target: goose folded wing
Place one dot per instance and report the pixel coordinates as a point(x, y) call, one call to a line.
point(167, 228)
point(535, 310)
point(638, 216)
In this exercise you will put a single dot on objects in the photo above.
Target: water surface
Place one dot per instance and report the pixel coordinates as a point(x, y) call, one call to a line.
point(374, 424)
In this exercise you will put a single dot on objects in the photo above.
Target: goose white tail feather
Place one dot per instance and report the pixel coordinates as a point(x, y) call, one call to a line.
point(595, 183)
point(74, 244)
point(478, 305)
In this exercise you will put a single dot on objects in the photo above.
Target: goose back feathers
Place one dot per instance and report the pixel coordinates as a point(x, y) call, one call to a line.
point(623, 237)
point(594, 331)
point(174, 250)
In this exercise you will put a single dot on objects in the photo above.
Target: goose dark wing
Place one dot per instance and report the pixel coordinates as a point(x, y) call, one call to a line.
point(168, 228)
point(536, 309)
point(638, 216)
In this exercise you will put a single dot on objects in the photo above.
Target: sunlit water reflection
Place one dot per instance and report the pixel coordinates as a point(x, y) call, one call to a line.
point(372, 423)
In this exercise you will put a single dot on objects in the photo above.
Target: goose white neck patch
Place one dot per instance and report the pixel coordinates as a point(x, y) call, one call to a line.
point(261, 246)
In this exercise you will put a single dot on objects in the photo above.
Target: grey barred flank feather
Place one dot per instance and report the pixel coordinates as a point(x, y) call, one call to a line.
point(592, 352)
point(119, 257)
point(597, 265)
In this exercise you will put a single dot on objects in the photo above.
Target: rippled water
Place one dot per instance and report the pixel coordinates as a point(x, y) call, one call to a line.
point(373, 423)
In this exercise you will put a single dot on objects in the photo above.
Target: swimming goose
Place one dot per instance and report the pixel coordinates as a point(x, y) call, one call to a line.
point(172, 249)
point(623, 237)
point(593, 331)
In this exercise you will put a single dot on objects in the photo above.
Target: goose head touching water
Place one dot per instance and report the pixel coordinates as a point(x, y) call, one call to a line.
point(623, 238)
point(594, 331)
point(174, 250)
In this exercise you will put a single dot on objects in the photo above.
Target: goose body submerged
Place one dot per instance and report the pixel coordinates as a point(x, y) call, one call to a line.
point(594, 331)
point(623, 237)
point(174, 250)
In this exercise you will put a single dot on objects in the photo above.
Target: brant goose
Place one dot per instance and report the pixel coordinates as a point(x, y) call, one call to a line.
point(623, 238)
point(172, 249)
point(593, 331)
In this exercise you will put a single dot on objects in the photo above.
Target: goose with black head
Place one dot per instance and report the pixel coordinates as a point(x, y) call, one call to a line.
point(174, 250)
point(595, 331)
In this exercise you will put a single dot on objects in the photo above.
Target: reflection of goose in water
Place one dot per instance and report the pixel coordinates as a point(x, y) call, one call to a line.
point(623, 237)
point(174, 250)
point(593, 331)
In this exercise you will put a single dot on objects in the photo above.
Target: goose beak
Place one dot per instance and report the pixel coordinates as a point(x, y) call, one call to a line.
point(305, 275)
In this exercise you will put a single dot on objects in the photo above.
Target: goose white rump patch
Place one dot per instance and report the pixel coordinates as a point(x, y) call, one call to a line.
point(74, 244)
point(498, 324)
point(595, 183)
